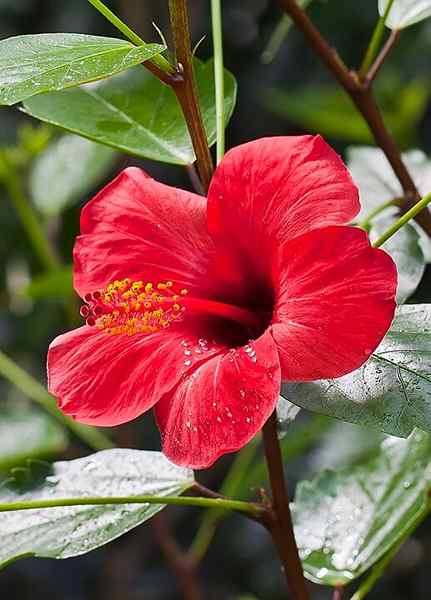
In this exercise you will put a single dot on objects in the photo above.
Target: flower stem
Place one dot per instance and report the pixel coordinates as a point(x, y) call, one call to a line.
point(27, 216)
point(158, 64)
point(186, 90)
point(282, 527)
point(363, 98)
point(234, 505)
point(34, 390)
point(375, 42)
point(405, 218)
point(217, 32)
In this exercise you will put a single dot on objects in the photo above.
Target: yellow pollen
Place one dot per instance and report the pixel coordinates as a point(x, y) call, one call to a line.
point(130, 307)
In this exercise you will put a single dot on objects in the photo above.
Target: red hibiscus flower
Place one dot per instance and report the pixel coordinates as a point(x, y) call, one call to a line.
point(201, 307)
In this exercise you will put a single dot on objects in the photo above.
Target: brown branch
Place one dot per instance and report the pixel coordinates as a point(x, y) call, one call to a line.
point(363, 98)
point(338, 593)
point(194, 180)
point(281, 527)
point(382, 56)
point(181, 563)
point(186, 90)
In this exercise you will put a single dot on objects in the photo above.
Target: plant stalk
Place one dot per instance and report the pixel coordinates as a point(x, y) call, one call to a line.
point(235, 505)
point(217, 31)
point(29, 221)
point(375, 42)
point(406, 217)
point(186, 90)
point(363, 98)
point(158, 65)
point(282, 527)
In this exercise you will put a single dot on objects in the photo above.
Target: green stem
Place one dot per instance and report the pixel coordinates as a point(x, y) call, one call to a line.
point(27, 216)
point(378, 569)
point(375, 42)
point(405, 218)
point(34, 390)
point(234, 505)
point(217, 32)
point(158, 64)
point(365, 224)
point(230, 485)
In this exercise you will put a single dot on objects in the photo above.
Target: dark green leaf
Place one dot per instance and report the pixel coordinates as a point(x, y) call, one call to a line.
point(329, 111)
point(346, 520)
point(31, 64)
point(406, 251)
point(391, 392)
point(63, 532)
point(69, 168)
point(27, 433)
point(135, 113)
point(57, 284)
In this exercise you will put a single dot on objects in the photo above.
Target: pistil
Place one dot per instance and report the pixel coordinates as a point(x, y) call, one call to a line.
point(129, 307)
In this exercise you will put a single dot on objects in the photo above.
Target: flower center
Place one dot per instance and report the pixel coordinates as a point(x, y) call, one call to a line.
point(129, 307)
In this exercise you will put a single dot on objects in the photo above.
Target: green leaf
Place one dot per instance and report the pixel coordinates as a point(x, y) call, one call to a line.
point(405, 12)
point(135, 113)
point(378, 184)
point(27, 433)
point(406, 251)
point(391, 392)
point(32, 64)
point(64, 532)
point(69, 168)
point(328, 110)
point(56, 284)
point(346, 520)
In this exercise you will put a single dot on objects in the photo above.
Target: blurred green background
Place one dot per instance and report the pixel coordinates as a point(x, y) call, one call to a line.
point(293, 94)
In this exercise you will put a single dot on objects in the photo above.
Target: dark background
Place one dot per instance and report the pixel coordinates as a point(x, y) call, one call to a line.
point(241, 562)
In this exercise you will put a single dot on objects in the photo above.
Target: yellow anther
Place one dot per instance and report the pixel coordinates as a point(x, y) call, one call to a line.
point(148, 287)
point(161, 286)
point(184, 292)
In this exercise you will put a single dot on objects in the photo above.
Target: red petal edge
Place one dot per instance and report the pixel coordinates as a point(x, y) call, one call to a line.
point(336, 301)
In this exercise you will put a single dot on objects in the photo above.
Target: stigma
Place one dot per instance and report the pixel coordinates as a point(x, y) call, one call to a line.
point(130, 307)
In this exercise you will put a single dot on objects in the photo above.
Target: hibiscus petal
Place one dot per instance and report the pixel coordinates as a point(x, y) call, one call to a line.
point(221, 404)
point(138, 228)
point(336, 301)
point(277, 189)
point(105, 380)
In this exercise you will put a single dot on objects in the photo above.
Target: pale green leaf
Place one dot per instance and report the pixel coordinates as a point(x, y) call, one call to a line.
point(404, 13)
point(63, 532)
point(346, 520)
